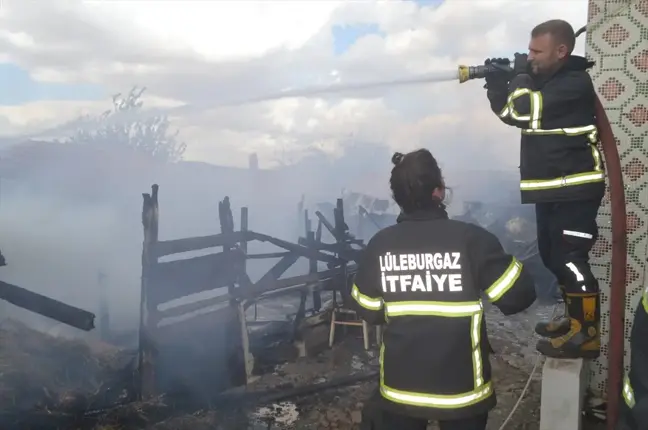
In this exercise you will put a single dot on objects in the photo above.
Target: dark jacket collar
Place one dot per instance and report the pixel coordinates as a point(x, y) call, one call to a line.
point(438, 212)
point(573, 63)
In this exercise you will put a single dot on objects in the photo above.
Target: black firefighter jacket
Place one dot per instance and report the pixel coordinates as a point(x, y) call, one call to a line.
point(559, 158)
point(635, 384)
point(425, 277)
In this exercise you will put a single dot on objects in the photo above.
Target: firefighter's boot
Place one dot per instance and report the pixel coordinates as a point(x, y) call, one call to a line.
point(558, 326)
point(583, 339)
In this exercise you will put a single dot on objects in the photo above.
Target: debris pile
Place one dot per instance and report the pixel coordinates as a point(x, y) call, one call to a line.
point(41, 373)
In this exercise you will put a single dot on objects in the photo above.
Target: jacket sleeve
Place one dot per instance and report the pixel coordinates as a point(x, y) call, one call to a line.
point(366, 293)
point(499, 275)
point(558, 97)
point(498, 96)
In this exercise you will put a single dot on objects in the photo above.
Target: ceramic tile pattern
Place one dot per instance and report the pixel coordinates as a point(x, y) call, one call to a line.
point(617, 40)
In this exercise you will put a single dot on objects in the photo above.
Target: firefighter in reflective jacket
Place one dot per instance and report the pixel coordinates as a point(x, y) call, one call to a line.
point(635, 384)
point(551, 98)
point(425, 277)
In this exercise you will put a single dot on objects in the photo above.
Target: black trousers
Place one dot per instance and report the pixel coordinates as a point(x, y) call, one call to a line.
point(566, 233)
point(385, 420)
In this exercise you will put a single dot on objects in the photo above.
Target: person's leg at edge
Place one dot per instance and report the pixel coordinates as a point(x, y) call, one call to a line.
point(473, 423)
point(577, 223)
point(546, 234)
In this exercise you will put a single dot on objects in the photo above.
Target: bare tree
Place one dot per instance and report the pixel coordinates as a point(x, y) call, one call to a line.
point(123, 126)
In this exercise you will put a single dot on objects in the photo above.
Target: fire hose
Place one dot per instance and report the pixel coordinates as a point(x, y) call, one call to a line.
point(619, 255)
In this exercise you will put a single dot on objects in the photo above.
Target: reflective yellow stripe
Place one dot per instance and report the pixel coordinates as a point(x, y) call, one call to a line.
point(365, 301)
point(565, 181)
point(441, 309)
point(568, 131)
point(596, 175)
point(505, 282)
point(509, 110)
point(431, 400)
point(628, 392)
point(596, 155)
point(474, 310)
point(535, 109)
point(475, 337)
point(644, 299)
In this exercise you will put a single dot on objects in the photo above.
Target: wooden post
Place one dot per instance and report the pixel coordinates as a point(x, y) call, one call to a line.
point(235, 338)
point(315, 238)
point(303, 294)
point(340, 232)
point(249, 360)
point(148, 308)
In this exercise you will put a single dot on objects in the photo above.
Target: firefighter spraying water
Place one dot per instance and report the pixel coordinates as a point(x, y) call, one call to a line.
point(549, 95)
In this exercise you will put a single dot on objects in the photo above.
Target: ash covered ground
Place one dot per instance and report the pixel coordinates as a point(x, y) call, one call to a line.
point(68, 392)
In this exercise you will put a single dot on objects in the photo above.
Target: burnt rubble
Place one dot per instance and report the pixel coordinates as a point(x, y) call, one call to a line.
point(197, 362)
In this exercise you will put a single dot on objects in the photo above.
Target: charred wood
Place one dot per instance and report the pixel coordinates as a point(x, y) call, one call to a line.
point(177, 246)
point(300, 250)
point(179, 278)
point(45, 306)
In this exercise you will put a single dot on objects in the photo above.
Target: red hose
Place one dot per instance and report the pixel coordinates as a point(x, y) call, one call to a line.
point(619, 260)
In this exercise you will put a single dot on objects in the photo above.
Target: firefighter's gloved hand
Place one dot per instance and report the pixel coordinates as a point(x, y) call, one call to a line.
point(520, 64)
point(500, 73)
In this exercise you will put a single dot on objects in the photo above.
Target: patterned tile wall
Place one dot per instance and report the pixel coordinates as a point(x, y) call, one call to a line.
point(617, 39)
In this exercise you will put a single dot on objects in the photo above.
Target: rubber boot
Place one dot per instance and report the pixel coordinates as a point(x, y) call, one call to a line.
point(583, 339)
point(558, 326)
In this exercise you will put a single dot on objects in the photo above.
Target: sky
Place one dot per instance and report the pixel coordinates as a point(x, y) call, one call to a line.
point(67, 57)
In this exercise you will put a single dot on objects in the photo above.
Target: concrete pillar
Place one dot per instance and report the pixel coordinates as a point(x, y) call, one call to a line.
point(564, 383)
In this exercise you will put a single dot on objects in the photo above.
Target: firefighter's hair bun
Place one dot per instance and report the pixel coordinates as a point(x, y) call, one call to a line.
point(414, 179)
point(397, 158)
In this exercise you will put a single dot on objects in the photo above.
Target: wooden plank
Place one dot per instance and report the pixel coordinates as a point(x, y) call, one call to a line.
point(312, 268)
point(175, 279)
point(275, 272)
point(268, 255)
point(326, 224)
point(43, 305)
point(344, 252)
point(188, 244)
point(252, 295)
point(300, 250)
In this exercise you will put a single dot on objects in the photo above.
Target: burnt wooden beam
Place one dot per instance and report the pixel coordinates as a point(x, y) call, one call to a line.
point(343, 252)
point(267, 255)
point(300, 250)
point(318, 233)
point(47, 307)
point(176, 246)
point(339, 248)
point(148, 318)
point(275, 272)
point(322, 219)
point(292, 283)
point(312, 268)
point(179, 278)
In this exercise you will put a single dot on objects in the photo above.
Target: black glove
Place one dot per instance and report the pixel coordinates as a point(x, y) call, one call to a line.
point(500, 72)
point(520, 64)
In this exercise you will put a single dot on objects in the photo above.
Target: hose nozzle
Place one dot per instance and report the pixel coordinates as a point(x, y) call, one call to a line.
point(467, 73)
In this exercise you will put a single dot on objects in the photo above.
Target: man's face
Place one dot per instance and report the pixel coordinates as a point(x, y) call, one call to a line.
point(545, 54)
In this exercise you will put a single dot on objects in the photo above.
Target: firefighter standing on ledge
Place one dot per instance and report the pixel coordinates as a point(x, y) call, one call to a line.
point(425, 276)
point(550, 96)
